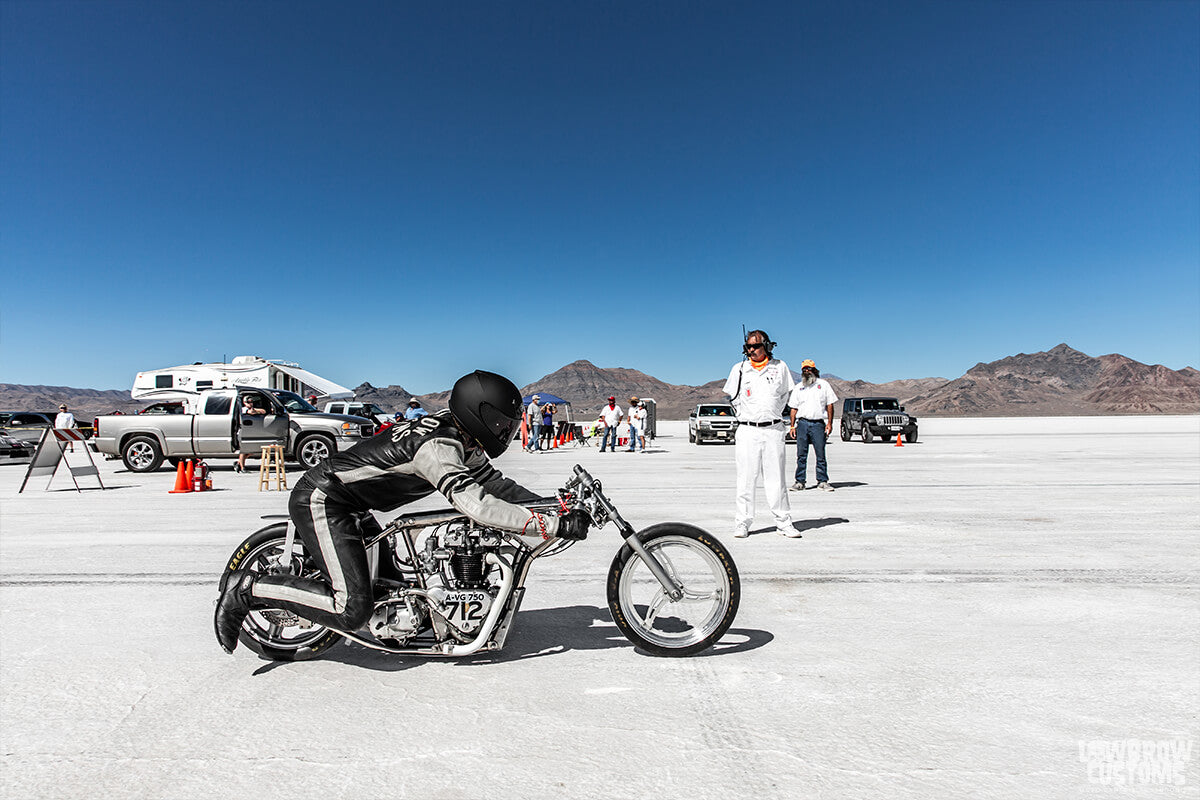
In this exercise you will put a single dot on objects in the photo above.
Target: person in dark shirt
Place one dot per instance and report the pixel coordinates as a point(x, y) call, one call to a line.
point(447, 452)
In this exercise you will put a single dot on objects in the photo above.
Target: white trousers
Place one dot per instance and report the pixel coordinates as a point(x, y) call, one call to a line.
point(760, 451)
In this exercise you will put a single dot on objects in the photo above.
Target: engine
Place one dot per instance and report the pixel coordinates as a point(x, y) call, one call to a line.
point(455, 557)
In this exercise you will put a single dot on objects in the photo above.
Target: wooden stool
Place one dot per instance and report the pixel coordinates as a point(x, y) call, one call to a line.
point(272, 465)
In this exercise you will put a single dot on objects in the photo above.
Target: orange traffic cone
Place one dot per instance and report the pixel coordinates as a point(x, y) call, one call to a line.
point(555, 446)
point(898, 442)
point(182, 484)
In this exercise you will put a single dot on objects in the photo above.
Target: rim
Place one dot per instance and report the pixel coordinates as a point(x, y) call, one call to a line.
point(706, 593)
point(141, 455)
point(273, 627)
point(313, 451)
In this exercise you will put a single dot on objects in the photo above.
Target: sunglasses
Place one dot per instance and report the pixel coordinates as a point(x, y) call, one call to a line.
point(756, 346)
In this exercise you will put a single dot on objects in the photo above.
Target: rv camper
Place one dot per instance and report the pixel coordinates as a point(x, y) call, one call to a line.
point(181, 383)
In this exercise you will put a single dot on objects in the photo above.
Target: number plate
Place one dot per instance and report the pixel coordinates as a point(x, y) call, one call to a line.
point(466, 609)
point(897, 427)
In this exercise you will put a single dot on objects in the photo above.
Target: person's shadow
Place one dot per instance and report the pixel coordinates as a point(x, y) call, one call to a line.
point(805, 525)
point(536, 634)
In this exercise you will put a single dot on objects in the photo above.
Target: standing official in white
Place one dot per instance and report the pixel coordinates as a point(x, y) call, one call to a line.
point(65, 420)
point(758, 388)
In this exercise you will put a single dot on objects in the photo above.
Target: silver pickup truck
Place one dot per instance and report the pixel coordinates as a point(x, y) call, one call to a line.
point(213, 430)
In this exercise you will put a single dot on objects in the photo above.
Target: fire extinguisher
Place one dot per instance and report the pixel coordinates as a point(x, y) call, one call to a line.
point(200, 477)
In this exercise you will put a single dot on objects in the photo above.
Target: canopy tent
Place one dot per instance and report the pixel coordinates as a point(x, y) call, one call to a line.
point(546, 397)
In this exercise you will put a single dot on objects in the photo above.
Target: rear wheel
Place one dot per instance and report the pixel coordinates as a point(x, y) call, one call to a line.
point(709, 579)
point(274, 634)
point(142, 454)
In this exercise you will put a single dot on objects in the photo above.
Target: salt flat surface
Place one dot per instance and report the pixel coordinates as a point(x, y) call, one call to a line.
point(961, 613)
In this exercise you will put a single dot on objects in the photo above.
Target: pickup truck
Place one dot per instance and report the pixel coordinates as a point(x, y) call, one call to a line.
point(213, 430)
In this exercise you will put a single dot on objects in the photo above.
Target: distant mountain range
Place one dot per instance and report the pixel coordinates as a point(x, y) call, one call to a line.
point(1058, 382)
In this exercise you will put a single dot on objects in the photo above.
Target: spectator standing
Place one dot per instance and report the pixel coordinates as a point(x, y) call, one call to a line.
point(64, 420)
point(414, 410)
point(812, 403)
point(249, 407)
point(610, 417)
point(548, 412)
point(642, 415)
point(533, 415)
point(758, 387)
point(637, 416)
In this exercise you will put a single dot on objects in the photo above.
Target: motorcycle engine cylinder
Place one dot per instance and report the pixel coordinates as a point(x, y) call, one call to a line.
point(468, 568)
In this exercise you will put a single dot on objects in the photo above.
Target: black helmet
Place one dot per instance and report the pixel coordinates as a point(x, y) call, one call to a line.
point(488, 407)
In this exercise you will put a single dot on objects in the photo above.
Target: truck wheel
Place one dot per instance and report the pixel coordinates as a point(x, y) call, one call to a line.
point(312, 450)
point(691, 436)
point(911, 437)
point(845, 433)
point(866, 433)
point(142, 454)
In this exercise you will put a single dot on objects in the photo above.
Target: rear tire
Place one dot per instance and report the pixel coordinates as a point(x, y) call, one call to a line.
point(278, 635)
point(655, 623)
point(142, 454)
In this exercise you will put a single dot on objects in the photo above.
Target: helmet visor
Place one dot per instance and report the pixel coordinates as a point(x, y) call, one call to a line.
point(498, 423)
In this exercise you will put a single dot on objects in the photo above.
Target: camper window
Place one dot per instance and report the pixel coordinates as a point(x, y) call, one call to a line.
point(164, 381)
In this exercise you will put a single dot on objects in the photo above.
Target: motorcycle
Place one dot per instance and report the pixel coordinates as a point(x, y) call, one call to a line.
point(446, 586)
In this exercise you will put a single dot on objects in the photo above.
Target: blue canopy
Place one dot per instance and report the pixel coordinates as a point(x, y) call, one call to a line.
point(545, 397)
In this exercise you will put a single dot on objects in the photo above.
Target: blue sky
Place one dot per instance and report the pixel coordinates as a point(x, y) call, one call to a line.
point(402, 192)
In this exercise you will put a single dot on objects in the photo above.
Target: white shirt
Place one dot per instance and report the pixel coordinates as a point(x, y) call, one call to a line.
point(65, 419)
point(611, 415)
point(636, 417)
point(810, 401)
point(763, 393)
point(535, 413)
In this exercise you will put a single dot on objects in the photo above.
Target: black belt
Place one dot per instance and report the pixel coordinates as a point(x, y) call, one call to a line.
point(761, 424)
point(806, 419)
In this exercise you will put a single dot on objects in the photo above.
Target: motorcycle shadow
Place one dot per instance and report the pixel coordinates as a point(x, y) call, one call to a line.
point(546, 632)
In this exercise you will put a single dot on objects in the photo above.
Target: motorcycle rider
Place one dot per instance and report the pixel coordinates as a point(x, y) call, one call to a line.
point(447, 452)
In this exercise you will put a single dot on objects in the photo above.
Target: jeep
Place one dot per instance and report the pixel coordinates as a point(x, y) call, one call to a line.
point(876, 416)
point(712, 421)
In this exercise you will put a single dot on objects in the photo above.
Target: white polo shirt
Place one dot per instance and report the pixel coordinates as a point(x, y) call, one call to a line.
point(610, 415)
point(810, 401)
point(762, 393)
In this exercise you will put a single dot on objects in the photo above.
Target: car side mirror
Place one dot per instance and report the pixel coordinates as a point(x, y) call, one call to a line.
point(901, 408)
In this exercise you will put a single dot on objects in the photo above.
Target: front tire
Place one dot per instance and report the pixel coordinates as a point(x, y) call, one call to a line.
point(274, 634)
point(312, 450)
point(866, 434)
point(142, 454)
point(648, 617)
point(911, 437)
point(846, 434)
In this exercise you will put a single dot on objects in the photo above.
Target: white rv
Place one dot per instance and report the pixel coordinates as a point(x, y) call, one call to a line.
point(181, 383)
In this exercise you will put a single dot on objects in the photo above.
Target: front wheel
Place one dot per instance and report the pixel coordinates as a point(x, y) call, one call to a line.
point(274, 634)
point(911, 437)
point(312, 450)
point(866, 433)
point(709, 579)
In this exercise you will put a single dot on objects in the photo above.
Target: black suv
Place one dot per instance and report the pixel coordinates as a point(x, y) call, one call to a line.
point(876, 416)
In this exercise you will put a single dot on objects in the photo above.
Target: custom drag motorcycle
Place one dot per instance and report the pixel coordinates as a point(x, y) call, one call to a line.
point(447, 586)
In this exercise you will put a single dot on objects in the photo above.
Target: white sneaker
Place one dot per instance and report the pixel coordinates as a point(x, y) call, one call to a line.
point(798, 486)
point(790, 533)
point(740, 532)
point(825, 487)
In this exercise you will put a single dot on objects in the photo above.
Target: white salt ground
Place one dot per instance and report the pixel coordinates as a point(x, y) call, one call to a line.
point(964, 617)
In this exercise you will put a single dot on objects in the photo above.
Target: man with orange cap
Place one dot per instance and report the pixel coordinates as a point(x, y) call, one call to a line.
point(812, 421)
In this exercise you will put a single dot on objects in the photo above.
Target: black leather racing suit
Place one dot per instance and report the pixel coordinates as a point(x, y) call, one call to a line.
point(405, 463)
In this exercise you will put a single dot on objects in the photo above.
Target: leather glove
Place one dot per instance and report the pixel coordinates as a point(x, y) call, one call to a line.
point(574, 525)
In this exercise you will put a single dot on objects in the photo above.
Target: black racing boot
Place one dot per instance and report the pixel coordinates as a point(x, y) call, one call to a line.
point(232, 607)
